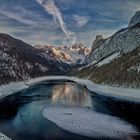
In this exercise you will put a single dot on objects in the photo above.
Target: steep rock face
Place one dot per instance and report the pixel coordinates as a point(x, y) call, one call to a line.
point(135, 19)
point(123, 41)
point(99, 40)
point(115, 60)
point(20, 61)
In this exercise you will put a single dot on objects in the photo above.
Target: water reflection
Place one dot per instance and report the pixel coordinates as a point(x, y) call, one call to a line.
point(65, 102)
point(70, 94)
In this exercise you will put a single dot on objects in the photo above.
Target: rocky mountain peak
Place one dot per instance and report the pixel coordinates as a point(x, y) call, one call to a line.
point(135, 19)
point(97, 42)
point(99, 37)
point(66, 54)
point(77, 46)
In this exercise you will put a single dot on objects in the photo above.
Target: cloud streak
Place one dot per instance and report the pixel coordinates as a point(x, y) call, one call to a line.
point(52, 9)
point(17, 17)
point(81, 20)
point(31, 22)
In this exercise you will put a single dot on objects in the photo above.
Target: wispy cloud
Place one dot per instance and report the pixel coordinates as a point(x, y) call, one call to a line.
point(81, 20)
point(52, 9)
point(73, 20)
point(28, 17)
point(17, 17)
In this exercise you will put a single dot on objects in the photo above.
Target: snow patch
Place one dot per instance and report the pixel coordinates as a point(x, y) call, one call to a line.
point(91, 124)
point(103, 62)
point(11, 88)
point(88, 65)
point(108, 59)
point(4, 137)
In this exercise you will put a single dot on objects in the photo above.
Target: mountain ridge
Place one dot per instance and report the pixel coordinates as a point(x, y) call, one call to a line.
point(20, 61)
point(74, 54)
point(115, 60)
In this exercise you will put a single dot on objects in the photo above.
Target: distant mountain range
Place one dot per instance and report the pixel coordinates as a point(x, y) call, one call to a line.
point(115, 60)
point(74, 54)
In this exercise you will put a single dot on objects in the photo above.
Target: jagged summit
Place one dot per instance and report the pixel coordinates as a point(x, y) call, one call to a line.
point(97, 42)
point(135, 19)
point(66, 54)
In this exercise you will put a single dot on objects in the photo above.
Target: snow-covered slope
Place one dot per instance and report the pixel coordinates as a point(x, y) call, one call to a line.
point(122, 41)
point(66, 54)
point(115, 60)
point(19, 61)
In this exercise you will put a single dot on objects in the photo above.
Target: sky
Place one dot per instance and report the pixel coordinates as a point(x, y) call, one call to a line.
point(64, 22)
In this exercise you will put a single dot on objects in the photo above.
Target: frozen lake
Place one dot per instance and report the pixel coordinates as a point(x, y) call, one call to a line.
point(62, 108)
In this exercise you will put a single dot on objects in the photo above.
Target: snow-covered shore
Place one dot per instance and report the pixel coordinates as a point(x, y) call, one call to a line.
point(4, 137)
point(91, 124)
point(122, 93)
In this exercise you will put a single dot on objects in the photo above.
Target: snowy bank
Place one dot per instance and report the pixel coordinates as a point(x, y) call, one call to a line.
point(3, 137)
point(122, 93)
point(91, 124)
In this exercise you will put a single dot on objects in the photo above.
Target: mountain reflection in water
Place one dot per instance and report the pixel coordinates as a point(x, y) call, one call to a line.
point(70, 94)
